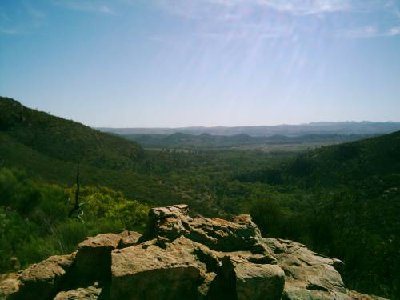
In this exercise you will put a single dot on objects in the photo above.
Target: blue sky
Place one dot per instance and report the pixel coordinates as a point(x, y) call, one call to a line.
point(169, 63)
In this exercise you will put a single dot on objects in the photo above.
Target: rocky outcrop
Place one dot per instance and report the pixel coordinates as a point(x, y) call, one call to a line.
point(181, 257)
point(308, 275)
point(90, 292)
point(218, 234)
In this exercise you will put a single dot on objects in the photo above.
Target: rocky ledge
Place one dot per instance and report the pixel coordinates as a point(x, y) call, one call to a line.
point(180, 257)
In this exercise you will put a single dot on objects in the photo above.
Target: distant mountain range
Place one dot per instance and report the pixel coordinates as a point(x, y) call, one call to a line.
point(341, 128)
point(241, 141)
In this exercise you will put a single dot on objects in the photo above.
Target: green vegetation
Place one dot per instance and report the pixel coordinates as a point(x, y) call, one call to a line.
point(34, 222)
point(341, 200)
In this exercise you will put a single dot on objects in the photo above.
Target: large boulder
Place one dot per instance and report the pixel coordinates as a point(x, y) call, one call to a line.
point(258, 281)
point(238, 278)
point(150, 272)
point(41, 280)
point(9, 285)
point(93, 259)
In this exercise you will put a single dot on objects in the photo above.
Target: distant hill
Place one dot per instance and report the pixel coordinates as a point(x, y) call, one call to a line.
point(238, 141)
point(63, 139)
point(343, 164)
point(350, 162)
point(287, 130)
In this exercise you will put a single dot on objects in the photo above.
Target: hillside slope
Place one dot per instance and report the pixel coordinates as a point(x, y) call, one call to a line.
point(345, 202)
point(350, 162)
point(338, 165)
point(65, 140)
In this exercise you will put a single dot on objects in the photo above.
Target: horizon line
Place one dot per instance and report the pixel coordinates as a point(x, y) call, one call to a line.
point(232, 126)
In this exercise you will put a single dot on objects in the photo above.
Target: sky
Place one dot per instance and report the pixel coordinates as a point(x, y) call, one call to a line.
point(173, 63)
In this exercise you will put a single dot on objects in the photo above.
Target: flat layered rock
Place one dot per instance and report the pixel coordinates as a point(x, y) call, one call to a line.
point(108, 241)
point(308, 275)
point(218, 234)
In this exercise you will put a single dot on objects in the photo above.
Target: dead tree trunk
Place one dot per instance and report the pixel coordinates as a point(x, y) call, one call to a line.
point(75, 209)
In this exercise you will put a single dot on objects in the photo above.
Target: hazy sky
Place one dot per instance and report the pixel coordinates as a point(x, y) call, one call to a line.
point(134, 63)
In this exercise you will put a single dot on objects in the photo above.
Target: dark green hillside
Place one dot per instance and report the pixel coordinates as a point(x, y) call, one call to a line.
point(344, 201)
point(38, 148)
point(353, 162)
point(63, 139)
point(140, 186)
point(338, 165)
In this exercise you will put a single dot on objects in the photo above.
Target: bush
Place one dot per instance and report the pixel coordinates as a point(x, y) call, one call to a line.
point(34, 222)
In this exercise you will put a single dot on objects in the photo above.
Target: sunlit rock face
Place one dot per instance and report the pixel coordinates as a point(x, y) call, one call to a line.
point(183, 257)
